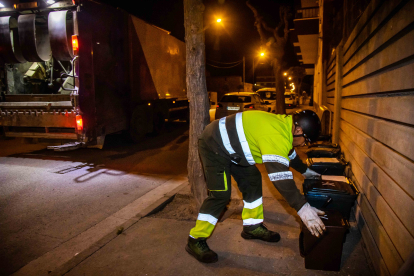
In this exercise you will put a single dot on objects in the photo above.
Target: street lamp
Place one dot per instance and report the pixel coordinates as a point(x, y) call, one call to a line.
point(218, 20)
point(289, 78)
point(262, 54)
point(284, 74)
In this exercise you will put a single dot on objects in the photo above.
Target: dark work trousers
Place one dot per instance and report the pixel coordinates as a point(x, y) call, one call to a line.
point(218, 171)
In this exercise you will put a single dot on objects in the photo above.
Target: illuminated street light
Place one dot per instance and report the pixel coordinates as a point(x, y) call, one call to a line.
point(261, 54)
point(218, 20)
point(289, 78)
point(284, 74)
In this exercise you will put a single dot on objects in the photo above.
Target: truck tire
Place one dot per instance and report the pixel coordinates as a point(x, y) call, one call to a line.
point(159, 123)
point(140, 123)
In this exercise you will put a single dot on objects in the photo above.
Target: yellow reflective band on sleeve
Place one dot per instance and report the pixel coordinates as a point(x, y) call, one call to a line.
point(203, 229)
point(225, 184)
point(256, 213)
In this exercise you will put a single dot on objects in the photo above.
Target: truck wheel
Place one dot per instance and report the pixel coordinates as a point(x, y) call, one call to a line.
point(140, 125)
point(159, 123)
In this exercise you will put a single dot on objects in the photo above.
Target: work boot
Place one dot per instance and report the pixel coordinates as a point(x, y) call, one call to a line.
point(259, 232)
point(200, 250)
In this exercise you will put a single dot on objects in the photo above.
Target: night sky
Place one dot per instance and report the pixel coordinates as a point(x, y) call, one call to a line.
point(235, 38)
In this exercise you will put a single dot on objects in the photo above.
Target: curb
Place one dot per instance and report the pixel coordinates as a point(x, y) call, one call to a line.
point(153, 208)
point(39, 267)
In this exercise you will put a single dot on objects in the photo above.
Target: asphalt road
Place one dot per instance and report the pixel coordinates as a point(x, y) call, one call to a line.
point(48, 198)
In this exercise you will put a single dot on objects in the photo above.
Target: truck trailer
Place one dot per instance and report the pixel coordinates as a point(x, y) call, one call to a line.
point(75, 71)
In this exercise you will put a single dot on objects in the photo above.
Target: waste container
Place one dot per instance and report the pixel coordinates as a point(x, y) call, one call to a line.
point(324, 144)
point(331, 195)
point(327, 166)
point(323, 152)
point(324, 252)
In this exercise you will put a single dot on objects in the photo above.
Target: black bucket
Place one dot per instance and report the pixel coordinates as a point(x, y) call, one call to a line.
point(325, 252)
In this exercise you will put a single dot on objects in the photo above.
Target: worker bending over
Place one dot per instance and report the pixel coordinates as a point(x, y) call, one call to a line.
point(232, 146)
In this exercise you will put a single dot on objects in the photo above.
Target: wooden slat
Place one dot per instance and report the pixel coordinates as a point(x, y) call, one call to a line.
point(332, 64)
point(330, 74)
point(369, 10)
point(388, 251)
point(330, 87)
point(390, 55)
point(374, 254)
point(331, 67)
point(330, 94)
point(331, 79)
point(394, 195)
point(331, 107)
point(376, 22)
point(332, 61)
point(330, 101)
point(399, 235)
point(394, 79)
point(399, 108)
point(386, 132)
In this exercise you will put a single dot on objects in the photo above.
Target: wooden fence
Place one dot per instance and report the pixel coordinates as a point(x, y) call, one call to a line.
point(370, 90)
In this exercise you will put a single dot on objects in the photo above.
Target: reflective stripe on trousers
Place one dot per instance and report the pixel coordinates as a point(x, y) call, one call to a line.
point(253, 212)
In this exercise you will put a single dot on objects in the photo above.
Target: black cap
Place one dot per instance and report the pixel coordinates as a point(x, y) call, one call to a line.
point(309, 122)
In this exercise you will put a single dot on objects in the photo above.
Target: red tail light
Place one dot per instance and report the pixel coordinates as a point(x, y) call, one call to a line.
point(249, 106)
point(218, 106)
point(75, 44)
point(79, 122)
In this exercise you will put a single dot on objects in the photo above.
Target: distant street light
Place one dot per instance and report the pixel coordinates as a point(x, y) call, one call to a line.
point(262, 54)
point(284, 74)
point(218, 20)
point(289, 78)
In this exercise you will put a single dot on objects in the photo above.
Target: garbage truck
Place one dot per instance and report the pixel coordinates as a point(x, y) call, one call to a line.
point(72, 72)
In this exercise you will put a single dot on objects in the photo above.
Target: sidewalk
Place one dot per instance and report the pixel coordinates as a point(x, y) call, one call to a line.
point(155, 245)
point(148, 242)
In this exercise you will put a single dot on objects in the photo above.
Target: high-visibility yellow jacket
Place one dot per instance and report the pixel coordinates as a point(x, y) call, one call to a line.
point(260, 137)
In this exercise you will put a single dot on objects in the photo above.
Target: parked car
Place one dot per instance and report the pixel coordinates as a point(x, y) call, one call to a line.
point(268, 95)
point(235, 102)
point(290, 100)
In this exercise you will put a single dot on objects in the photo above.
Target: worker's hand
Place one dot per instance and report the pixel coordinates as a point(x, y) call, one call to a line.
point(309, 216)
point(310, 174)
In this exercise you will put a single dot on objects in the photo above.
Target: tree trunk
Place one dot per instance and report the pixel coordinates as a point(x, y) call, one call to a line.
point(196, 92)
point(280, 87)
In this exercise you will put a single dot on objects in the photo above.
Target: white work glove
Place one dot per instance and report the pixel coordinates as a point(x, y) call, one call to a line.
point(310, 174)
point(309, 216)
